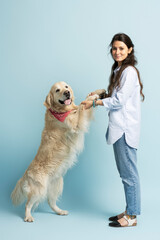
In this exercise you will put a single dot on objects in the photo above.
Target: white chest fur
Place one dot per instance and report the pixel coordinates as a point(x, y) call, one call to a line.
point(76, 146)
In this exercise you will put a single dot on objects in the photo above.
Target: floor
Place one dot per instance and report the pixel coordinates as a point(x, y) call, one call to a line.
point(80, 224)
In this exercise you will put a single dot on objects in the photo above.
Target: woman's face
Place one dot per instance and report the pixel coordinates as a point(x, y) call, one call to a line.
point(120, 51)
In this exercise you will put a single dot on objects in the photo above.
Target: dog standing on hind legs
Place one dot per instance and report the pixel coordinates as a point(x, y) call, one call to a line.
point(62, 139)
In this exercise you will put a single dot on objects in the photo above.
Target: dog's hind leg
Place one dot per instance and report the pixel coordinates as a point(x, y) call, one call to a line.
point(31, 201)
point(35, 206)
point(54, 191)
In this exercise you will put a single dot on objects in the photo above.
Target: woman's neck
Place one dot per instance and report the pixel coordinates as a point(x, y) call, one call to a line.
point(119, 64)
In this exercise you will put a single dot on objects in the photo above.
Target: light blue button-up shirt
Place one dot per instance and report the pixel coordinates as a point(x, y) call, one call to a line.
point(124, 108)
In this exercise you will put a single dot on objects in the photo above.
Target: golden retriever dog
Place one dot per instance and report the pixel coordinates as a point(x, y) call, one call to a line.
point(62, 139)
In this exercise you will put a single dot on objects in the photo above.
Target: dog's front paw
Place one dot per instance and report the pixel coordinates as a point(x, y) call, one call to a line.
point(29, 219)
point(93, 97)
point(101, 93)
point(63, 212)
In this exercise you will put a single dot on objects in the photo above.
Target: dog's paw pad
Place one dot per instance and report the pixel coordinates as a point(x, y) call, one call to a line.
point(29, 219)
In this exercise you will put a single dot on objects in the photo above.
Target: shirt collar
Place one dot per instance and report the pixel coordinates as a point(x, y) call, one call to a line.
point(116, 69)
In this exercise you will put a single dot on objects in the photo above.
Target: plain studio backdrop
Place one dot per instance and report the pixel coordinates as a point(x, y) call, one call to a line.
point(45, 41)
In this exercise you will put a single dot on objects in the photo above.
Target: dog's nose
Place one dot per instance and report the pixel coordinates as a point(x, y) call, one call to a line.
point(66, 93)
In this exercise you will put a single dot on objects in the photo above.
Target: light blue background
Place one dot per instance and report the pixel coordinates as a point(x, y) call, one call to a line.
point(42, 42)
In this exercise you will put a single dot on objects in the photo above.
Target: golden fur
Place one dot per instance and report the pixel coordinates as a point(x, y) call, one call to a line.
point(60, 143)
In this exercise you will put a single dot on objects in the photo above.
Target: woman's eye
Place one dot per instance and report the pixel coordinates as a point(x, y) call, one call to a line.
point(57, 90)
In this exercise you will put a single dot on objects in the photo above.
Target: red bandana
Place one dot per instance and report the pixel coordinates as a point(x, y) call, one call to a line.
point(60, 116)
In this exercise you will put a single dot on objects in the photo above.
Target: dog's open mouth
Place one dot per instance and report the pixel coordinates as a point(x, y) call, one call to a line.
point(66, 102)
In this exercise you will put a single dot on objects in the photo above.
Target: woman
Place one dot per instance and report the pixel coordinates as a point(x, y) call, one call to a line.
point(123, 104)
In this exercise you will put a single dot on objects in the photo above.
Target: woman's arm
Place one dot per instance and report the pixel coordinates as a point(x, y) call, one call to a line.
point(89, 104)
point(128, 83)
point(99, 103)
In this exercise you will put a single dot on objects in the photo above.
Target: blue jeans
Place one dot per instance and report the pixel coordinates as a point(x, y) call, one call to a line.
point(126, 160)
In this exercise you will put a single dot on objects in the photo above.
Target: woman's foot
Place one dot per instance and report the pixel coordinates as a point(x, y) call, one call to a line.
point(125, 221)
point(115, 218)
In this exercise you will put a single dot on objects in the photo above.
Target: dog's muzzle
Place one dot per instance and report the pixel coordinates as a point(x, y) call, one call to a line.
point(67, 101)
point(67, 94)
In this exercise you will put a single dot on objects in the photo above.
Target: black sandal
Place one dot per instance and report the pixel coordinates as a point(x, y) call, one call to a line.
point(115, 218)
point(130, 222)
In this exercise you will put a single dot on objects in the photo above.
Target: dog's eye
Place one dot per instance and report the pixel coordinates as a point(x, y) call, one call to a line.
point(57, 90)
point(66, 86)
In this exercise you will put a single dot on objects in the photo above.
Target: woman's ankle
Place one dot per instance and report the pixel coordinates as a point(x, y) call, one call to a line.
point(131, 216)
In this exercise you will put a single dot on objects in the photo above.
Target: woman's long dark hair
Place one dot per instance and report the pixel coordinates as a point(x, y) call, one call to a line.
point(130, 60)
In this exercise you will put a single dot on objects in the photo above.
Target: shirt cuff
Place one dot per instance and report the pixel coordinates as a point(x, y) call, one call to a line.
point(106, 103)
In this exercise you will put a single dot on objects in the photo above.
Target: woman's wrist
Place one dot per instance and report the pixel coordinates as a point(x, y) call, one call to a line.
point(98, 102)
point(94, 103)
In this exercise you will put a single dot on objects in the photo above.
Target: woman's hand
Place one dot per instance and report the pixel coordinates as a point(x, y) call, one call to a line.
point(87, 104)
point(92, 93)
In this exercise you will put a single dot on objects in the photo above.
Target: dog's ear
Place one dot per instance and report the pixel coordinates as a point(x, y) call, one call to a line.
point(48, 101)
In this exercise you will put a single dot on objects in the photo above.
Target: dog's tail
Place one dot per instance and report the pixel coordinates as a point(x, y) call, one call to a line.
point(17, 195)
